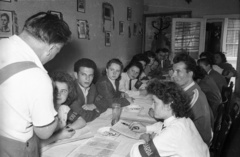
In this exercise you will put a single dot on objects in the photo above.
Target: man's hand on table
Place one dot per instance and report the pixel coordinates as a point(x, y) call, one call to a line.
point(66, 132)
point(90, 107)
point(137, 127)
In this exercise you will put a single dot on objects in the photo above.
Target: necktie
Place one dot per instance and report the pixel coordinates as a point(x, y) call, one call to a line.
point(130, 84)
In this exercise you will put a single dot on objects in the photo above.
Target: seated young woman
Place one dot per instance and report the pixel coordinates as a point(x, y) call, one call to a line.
point(129, 78)
point(166, 139)
point(108, 84)
point(64, 95)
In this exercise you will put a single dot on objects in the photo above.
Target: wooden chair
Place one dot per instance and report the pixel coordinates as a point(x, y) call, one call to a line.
point(234, 112)
point(217, 124)
point(226, 94)
point(222, 133)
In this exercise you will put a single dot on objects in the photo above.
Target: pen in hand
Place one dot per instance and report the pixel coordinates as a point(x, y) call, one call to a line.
point(132, 128)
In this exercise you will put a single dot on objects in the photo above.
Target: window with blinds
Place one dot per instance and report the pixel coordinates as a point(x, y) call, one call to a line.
point(232, 37)
point(188, 36)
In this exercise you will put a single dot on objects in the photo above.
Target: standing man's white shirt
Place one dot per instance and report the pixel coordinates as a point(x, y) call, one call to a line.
point(26, 97)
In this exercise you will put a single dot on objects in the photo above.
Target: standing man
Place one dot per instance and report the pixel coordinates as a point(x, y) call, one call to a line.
point(26, 92)
point(184, 67)
point(5, 21)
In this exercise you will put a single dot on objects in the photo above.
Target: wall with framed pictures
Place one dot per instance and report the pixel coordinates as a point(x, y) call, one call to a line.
point(92, 42)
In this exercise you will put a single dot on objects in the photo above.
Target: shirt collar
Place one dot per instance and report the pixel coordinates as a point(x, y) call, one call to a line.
point(189, 86)
point(209, 71)
point(29, 51)
point(113, 82)
point(168, 121)
point(83, 89)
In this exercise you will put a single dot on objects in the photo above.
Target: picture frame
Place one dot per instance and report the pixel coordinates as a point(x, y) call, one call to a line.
point(81, 5)
point(129, 13)
point(5, 0)
point(157, 29)
point(7, 24)
point(121, 27)
point(135, 29)
point(59, 14)
point(82, 29)
point(107, 38)
point(107, 12)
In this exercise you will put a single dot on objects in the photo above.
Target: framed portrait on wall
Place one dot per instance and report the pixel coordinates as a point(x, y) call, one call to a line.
point(59, 14)
point(6, 26)
point(129, 13)
point(81, 5)
point(121, 27)
point(107, 11)
point(82, 29)
point(107, 38)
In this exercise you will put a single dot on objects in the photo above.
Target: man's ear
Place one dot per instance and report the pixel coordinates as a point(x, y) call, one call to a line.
point(168, 107)
point(75, 75)
point(50, 49)
point(190, 73)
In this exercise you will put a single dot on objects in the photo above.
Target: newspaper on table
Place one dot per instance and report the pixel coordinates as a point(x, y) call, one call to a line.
point(96, 147)
point(122, 127)
point(80, 134)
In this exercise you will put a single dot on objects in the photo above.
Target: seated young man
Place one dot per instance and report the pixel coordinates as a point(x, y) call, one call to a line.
point(87, 97)
point(177, 135)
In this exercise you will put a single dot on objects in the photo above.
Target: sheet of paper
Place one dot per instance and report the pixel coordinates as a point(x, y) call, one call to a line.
point(79, 135)
point(96, 147)
point(123, 128)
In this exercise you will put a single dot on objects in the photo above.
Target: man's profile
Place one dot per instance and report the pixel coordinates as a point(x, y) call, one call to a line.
point(4, 23)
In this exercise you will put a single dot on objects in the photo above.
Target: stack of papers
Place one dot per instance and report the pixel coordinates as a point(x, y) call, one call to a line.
point(122, 127)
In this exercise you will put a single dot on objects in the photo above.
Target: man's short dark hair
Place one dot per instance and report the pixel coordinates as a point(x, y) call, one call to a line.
point(85, 62)
point(187, 60)
point(205, 61)
point(165, 50)
point(48, 28)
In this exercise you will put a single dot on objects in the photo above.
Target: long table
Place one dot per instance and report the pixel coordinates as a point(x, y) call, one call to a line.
point(91, 141)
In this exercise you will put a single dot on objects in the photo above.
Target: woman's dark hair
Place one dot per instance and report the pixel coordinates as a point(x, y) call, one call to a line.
point(150, 54)
point(48, 28)
point(64, 77)
point(136, 64)
point(140, 57)
point(200, 73)
point(170, 92)
point(208, 55)
point(222, 55)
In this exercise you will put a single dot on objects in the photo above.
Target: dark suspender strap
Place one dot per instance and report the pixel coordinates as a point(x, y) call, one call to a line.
point(14, 68)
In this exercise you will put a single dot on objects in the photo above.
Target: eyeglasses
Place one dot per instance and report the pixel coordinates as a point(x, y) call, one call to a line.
point(63, 91)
